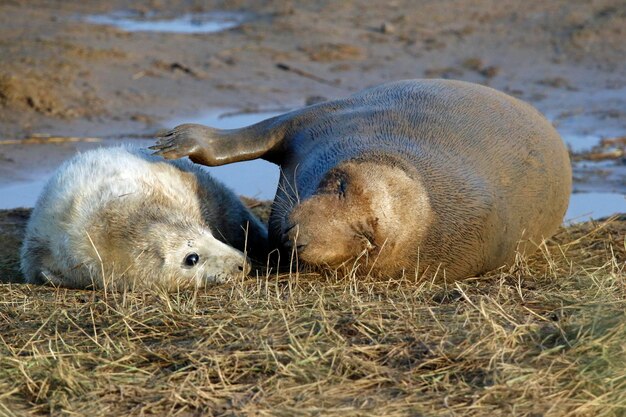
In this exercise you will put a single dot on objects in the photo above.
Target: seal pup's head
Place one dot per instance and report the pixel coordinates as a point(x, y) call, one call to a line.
point(156, 245)
point(133, 241)
point(365, 213)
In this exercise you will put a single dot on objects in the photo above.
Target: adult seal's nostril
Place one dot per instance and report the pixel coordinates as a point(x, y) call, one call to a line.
point(289, 234)
point(292, 239)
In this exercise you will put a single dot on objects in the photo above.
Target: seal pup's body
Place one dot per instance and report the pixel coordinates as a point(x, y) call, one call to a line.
point(441, 177)
point(120, 217)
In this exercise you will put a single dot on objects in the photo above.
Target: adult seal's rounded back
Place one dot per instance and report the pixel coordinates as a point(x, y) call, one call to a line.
point(443, 177)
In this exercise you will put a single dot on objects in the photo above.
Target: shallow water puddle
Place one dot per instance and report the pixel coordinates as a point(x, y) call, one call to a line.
point(580, 142)
point(257, 178)
point(585, 206)
point(20, 186)
point(253, 178)
point(188, 23)
point(21, 194)
point(598, 118)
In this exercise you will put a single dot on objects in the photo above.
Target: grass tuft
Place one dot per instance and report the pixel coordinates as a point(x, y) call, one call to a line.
point(544, 338)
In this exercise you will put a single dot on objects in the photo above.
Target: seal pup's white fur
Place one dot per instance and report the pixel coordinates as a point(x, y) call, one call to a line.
point(119, 217)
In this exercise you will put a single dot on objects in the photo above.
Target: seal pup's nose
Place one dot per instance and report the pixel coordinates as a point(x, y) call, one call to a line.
point(244, 267)
point(238, 266)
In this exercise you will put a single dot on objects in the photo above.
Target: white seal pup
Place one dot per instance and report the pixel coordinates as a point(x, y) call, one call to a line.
point(438, 178)
point(119, 217)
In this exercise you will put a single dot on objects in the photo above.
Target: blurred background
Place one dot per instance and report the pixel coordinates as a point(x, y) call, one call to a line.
point(82, 74)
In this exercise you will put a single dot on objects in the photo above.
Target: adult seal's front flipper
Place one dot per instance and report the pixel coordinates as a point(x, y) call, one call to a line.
point(212, 147)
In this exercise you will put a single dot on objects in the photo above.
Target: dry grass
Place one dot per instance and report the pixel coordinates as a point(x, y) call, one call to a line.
point(547, 338)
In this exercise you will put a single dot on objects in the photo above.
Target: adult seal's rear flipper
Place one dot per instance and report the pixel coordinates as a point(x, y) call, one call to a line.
point(214, 147)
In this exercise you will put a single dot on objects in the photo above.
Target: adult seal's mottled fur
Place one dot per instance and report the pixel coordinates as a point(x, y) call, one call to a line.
point(440, 177)
point(121, 218)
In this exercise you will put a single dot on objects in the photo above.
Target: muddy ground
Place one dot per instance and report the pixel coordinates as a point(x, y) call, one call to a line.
point(60, 75)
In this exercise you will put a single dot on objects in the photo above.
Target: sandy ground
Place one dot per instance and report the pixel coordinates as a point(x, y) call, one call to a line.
point(62, 76)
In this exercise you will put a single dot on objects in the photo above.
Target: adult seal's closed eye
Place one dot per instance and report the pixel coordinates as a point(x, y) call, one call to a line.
point(440, 177)
point(121, 218)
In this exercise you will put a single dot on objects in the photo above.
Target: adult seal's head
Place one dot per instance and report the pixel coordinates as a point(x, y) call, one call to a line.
point(361, 209)
point(428, 177)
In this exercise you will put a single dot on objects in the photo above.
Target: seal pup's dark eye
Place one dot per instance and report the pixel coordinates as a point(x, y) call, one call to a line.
point(192, 259)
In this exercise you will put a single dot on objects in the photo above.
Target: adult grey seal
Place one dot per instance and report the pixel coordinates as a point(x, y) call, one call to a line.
point(440, 177)
point(121, 218)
